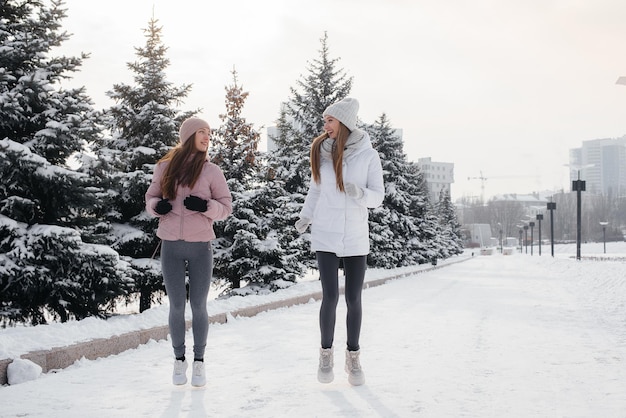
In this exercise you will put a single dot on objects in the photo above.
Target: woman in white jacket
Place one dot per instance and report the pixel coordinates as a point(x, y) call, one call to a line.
point(347, 179)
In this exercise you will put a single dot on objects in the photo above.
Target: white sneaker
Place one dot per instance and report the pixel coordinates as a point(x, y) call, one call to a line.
point(198, 375)
point(356, 376)
point(325, 371)
point(179, 377)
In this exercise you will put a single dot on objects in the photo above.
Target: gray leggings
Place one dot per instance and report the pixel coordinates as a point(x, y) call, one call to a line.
point(354, 269)
point(197, 258)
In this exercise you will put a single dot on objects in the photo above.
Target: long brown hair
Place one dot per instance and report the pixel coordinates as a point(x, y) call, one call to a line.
point(184, 168)
point(337, 153)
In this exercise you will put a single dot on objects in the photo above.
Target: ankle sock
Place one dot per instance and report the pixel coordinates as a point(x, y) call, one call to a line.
point(181, 358)
point(198, 359)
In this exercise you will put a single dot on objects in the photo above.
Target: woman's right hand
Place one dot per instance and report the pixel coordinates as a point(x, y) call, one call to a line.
point(163, 206)
point(302, 224)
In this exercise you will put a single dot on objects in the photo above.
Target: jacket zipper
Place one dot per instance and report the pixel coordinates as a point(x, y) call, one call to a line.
point(182, 217)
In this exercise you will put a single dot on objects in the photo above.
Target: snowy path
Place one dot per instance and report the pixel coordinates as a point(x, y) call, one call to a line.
point(491, 337)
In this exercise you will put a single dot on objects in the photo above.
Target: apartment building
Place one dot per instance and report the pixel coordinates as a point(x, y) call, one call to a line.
point(602, 164)
point(438, 175)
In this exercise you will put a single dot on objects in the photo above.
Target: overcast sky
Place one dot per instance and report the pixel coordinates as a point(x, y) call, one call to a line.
point(499, 87)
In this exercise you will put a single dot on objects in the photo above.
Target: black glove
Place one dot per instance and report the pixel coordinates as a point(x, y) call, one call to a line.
point(163, 207)
point(195, 203)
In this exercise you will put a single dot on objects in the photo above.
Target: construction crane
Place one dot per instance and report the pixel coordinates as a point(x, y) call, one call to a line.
point(482, 185)
point(483, 179)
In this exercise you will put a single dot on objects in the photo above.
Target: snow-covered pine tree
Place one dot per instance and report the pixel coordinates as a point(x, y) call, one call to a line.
point(234, 145)
point(397, 227)
point(450, 226)
point(144, 126)
point(323, 85)
point(299, 123)
point(389, 224)
point(247, 247)
point(426, 246)
point(47, 209)
point(286, 214)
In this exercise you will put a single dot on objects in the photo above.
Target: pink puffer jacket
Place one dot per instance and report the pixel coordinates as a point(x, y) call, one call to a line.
point(188, 225)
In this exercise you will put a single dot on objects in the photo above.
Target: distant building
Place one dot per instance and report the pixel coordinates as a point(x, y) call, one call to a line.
point(603, 165)
point(438, 176)
point(272, 132)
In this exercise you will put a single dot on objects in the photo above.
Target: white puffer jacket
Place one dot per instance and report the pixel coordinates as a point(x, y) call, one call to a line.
point(339, 223)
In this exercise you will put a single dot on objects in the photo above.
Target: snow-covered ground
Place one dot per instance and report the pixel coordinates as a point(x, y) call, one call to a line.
point(493, 336)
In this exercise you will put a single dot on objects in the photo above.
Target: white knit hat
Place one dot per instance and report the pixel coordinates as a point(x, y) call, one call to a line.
point(344, 111)
point(191, 126)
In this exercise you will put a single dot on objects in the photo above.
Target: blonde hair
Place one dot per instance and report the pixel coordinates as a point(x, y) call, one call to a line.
point(181, 170)
point(337, 154)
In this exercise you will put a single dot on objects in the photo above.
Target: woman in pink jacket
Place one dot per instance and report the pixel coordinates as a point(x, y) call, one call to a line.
point(187, 194)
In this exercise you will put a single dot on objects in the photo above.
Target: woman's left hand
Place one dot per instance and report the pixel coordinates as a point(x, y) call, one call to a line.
point(196, 203)
point(353, 191)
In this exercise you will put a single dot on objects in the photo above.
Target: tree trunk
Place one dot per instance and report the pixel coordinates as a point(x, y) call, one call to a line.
point(144, 299)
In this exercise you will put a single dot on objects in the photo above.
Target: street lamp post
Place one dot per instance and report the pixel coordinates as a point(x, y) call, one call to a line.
point(552, 208)
point(526, 238)
point(521, 243)
point(539, 219)
point(532, 227)
point(604, 224)
point(578, 186)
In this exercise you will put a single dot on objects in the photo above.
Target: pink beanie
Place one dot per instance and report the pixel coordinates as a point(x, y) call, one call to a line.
point(191, 126)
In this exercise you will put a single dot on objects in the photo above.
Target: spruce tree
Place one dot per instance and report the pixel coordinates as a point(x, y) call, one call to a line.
point(144, 126)
point(234, 145)
point(299, 123)
point(290, 204)
point(401, 230)
point(426, 245)
point(247, 247)
point(322, 86)
point(451, 228)
point(389, 225)
point(49, 264)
